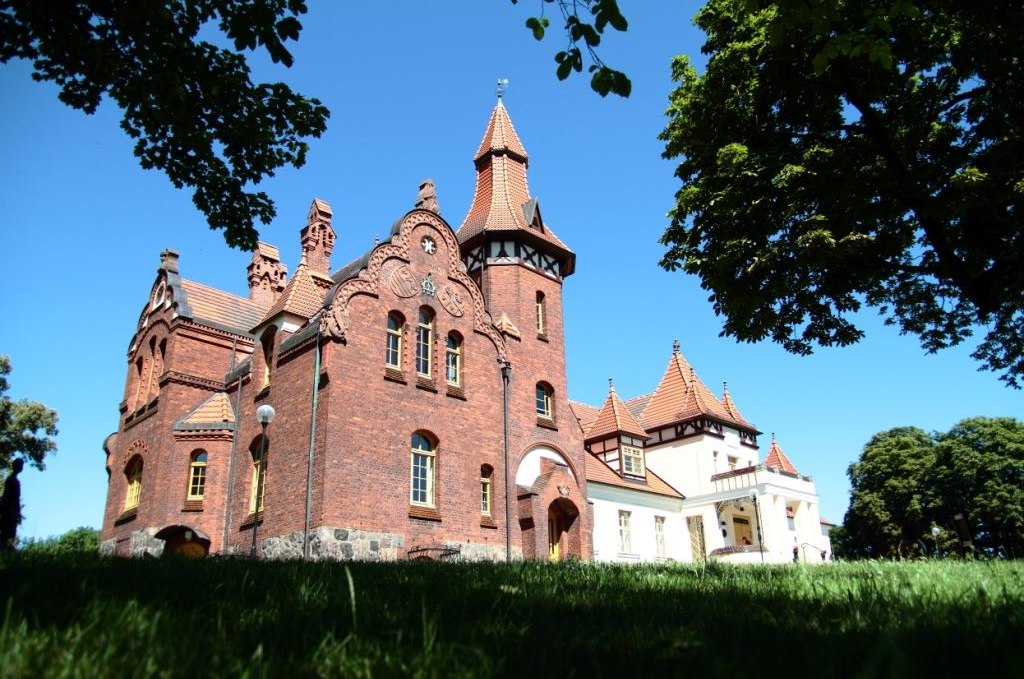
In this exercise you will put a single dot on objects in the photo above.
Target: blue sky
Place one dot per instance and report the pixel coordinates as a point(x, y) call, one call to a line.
point(410, 90)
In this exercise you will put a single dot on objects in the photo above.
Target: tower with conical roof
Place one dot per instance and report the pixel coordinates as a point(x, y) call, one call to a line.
point(519, 264)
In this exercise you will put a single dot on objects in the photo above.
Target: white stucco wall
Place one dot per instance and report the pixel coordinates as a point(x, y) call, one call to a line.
point(607, 501)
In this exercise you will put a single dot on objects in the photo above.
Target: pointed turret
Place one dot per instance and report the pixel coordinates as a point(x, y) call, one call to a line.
point(777, 459)
point(301, 298)
point(501, 200)
point(266, 275)
point(682, 395)
point(730, 407)
point(614, 419)
point(318, 240)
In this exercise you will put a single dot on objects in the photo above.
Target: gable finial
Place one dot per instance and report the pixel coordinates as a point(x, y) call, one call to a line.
point(611, 384)
point(675, 347)
point(502, 84)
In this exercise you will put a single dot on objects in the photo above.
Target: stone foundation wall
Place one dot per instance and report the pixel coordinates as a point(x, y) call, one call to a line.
point(144, 544)
point(108, 547)
point(342, 544)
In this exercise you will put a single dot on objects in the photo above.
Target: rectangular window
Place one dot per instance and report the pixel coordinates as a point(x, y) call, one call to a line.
point(540, 313)
point(258, 490)
point(393, 350)
point(659, 536)
point(424, 340)
point(131, 500)
point(422, 484)
point(625, 539)
point(732, 463)
point(633, 460)
point(453, 355)
point(485, 495)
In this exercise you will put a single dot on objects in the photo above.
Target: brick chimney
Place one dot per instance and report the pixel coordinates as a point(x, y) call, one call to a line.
point(318, 238)
point(266, 275)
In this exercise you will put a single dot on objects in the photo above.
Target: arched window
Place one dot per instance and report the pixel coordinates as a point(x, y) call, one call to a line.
point(545, 401)
point(453, 360)
point(486, 473)
point(541, 314)
point(258, 484)
point(393, 346)
point(140, 381)
point(424, 341)
point(133, 473)
point(197, 476)
point(424, 458)
point(267, 342)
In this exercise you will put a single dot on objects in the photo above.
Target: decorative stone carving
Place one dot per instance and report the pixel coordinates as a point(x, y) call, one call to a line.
point(427, 286)
point(402, 282)
point(375, 277)
point(427, 199)
point(334, 322)
point(451, 299)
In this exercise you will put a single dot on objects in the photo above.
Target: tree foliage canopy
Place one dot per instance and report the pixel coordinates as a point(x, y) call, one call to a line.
point(25, 426)
point(846, 153)
point(585, 22)
point(907, 481)
point(189, 104)
point(77, 540)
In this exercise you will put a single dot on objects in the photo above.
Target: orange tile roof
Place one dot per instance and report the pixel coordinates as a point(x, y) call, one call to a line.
point(599, 472)
point(213, 413)
point(730, 407)
point(502, 193)
point(682, 395)
point(778, 459)
point(637, 404)
point(302, 296)
point(614, 418)
point(585, 413)
point(220, 308)
point(500, 135)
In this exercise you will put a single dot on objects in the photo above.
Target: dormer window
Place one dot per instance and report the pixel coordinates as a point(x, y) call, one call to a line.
point(632, 460)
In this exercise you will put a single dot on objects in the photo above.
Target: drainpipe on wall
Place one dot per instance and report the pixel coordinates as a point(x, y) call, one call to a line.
point(506, 372)
point(312, 445)
point(234, 448)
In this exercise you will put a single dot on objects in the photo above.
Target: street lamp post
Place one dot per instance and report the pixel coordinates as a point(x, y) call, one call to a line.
point(265, 414)
point(757, 515)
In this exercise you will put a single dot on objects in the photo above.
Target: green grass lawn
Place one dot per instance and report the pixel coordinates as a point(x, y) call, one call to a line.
point(85, 616)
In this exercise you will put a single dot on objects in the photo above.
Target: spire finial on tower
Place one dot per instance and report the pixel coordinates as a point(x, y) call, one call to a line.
point(500, 90)
point(675, 347)
point(611, 384)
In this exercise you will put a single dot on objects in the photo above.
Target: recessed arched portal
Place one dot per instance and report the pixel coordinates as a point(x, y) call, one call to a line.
point(563, 530)
point(184, 541)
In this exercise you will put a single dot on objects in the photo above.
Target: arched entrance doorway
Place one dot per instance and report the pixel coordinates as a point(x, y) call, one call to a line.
point(184, 541)
point(563, 530)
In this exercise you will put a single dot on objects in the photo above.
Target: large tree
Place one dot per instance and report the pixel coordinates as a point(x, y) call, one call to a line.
point(837, 154)
point(26, 427)
point(942, 488)
point(890, 495)
point(979, 473)
point(189, 103)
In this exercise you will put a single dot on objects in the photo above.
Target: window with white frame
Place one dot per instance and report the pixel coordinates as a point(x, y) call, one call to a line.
point(545, 398)
point(453, 360)
point(485, 490)
point(424, 342)
point(421, 486)
point(633, 460)
point(659, 536)
point(541, 314)
point(197, 476)
point(393, 345)
point(625, 537)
